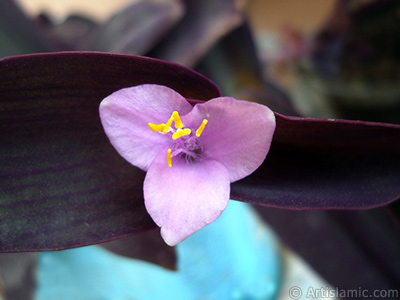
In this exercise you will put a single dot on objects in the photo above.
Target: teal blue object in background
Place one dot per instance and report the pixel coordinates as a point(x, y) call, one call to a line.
point(236, 257)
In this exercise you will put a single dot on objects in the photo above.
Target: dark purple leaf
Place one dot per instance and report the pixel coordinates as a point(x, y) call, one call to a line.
point(203, 24)
point(148, 246)
point(322, 164)
point(61, 182)
point(137, 28)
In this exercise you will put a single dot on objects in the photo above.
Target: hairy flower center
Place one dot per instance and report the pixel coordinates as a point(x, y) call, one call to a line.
point(184, 141)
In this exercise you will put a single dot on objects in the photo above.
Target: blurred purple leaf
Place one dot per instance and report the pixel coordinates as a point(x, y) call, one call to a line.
point(18, 275)
point(147, 246)
point(355, 64)
point(203, 24)
point(72, 33)
point(233, 64)
point(61, 182)
point(350, 249)
point(18, 34)
point(137, 28)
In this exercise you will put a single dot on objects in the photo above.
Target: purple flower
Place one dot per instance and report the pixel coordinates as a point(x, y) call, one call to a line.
point(191, 154)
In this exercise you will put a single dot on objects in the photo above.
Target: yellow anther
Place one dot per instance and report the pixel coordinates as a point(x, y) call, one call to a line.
point(156, 128)
point(201, 128)
point(168, 125)
point(181, 133)
point(169, 158)
point(177, 119)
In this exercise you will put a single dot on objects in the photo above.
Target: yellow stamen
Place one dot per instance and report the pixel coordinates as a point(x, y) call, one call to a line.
point(156, 128)
point(177, 119)
point(181, 133)
point(201, 128)
point(169, 158)
point(168, 125)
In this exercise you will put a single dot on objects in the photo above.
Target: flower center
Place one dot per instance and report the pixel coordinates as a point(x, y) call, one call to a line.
point(184, 141)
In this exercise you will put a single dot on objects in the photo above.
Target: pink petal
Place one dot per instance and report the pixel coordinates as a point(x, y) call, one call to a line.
point(126, 113)
point(238, 133)
point(185, 198)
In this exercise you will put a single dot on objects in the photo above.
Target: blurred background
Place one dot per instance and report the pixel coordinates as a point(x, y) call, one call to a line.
point(270, 20)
